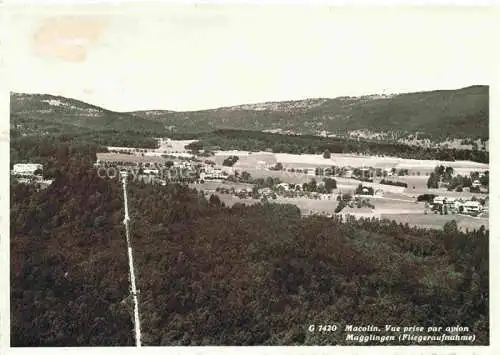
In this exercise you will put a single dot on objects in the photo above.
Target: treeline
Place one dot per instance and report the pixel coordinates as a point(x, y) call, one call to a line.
point(393, 183)
point(308, 144)
point(116, 138)
point(208, 274)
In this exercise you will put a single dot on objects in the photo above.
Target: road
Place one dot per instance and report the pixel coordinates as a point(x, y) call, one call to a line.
point(134, 291)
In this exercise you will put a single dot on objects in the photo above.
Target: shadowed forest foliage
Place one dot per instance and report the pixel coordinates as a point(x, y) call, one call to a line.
point(208, 274)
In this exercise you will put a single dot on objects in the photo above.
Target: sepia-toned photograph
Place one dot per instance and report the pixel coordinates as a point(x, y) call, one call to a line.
point(243, 175)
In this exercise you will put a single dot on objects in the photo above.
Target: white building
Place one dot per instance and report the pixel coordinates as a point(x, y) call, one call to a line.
point(438, 200)
point(212, 174)
point(472, 207)
point(122, 149)
point(26, 169)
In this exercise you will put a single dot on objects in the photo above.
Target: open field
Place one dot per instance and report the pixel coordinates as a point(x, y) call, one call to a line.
point(176, 145)
point(249, 159)
point(293, 178)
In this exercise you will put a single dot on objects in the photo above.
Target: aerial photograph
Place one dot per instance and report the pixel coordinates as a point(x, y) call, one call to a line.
point(244, 175)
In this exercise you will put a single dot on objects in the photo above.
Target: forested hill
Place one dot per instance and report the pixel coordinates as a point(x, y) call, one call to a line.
point(214, 275)
point(439, 115)
point(37, 113)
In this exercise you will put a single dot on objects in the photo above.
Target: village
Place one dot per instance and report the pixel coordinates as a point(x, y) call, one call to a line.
point(347, 185)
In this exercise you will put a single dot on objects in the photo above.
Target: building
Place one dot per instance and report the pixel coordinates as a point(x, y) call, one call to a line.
point(285, 186)
point(438, 200)
point(348, 174)
point(27, 169)
point(472, 207)
point(127, 159)
point(266, 191)
point(121, 149)
point(212, 174)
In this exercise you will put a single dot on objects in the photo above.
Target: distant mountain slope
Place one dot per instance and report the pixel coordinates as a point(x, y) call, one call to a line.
point(462, 113)
point(452, 113)
point(56, 113)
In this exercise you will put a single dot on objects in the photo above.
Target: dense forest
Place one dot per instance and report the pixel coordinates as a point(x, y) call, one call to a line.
point(437, 115)
point(278, 143)
point(209, 274)
point(116, 138)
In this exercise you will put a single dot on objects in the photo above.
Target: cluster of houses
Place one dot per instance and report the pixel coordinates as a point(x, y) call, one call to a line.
point(281, 189)
point(362, 173)
point(445, 205)
point(209, 172)
point(152, 166)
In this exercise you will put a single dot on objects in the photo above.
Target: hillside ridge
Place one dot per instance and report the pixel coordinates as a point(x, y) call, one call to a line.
point(460, 113)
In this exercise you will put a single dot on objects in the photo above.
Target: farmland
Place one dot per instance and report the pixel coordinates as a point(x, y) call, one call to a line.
point(396, 203)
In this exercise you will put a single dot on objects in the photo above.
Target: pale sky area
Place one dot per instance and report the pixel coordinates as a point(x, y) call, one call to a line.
point(186, 57)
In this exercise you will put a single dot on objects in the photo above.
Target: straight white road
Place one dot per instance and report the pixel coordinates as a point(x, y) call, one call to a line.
point(137, 322)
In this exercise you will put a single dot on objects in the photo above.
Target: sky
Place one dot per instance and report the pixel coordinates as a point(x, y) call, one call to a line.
point(188, 57)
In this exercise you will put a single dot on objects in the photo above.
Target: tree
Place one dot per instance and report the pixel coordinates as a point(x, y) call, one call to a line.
point(312, 185)
point(448, 173)
point(485, 179)
point(340, 206)
point(319, 172)
point(215, 200)
point(439, 170)
point(433, 181)
point(255, 192)
point(330, 184)
point(451, 227)
point(195, 146)
point(326, 154)
point(245, 176)
point(230, 161)
point(475, 189)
